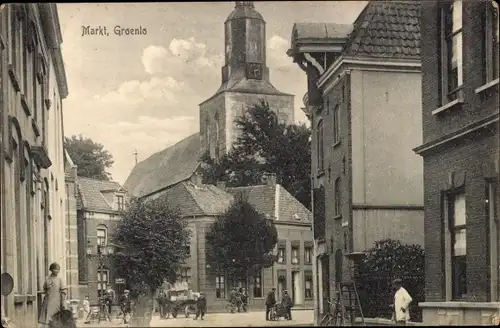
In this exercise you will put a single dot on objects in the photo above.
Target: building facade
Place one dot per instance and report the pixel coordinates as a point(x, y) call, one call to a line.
point(99, 205)
point(364, 105)
point(460, 148)
point(71, 234)
point(201, 204)
point(33, 84)
point(245, 82)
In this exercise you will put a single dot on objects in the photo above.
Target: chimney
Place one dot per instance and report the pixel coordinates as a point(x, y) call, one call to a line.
point(221, 184)
point(270, 179)
point(197, 179)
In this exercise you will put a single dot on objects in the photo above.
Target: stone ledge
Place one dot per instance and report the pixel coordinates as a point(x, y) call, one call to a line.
point(461, 305)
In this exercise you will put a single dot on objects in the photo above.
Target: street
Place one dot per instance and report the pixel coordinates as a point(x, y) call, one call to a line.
point(302, 318)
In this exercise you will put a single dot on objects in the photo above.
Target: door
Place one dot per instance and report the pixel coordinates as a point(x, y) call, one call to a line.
point(296, 288)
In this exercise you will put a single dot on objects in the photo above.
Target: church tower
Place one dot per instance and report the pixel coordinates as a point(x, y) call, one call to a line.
point(245, 81)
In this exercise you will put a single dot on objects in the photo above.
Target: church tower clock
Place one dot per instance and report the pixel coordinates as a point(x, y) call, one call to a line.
point(245, 81)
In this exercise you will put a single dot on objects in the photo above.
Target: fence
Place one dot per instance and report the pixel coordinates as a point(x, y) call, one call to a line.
point(376, 294)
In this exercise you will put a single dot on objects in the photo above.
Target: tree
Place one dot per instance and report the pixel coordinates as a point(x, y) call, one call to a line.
point(241, 240)
point(391, 259)
point(266, 146)
point(152, 237)
point(90, 157)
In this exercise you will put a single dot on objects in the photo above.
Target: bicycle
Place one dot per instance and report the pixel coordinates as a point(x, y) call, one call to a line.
point(331, 320)
point(124, 316)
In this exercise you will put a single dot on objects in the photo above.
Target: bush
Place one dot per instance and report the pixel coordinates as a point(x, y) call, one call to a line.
point(388, 260)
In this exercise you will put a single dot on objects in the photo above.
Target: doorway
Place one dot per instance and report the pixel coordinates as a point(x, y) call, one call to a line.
point(325, 268)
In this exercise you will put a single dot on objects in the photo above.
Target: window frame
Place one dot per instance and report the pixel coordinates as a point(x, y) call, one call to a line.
point(491, 32)
point(257, 281)
point(120, 202)
point(220, 286)
point(185, 275)
point(102, 227)
point(338, 198)
point(100, 282)
point(281, 251)
point(336, 124)
point(308, 277)
point(447, 34)
point(456, 262)
point(308, 255)
point(295, 259)
point(320, 149)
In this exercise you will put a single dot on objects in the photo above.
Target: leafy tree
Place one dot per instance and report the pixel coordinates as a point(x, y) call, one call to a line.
point(90, 157)
point(266, 146)
point(152, 237)
point(241, 240)
point(388, 260)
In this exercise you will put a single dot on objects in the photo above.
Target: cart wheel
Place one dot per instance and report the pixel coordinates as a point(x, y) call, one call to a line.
point(186, 311)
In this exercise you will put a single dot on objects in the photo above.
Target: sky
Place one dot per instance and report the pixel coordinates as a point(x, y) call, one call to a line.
point(141, 92)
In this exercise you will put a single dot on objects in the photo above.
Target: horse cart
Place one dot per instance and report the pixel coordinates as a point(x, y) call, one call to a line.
point(183, 302)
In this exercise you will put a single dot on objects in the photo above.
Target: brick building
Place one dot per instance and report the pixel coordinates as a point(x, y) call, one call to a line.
point(99, 204)
point(32, 86)
point(363, 100)
point(460, 149)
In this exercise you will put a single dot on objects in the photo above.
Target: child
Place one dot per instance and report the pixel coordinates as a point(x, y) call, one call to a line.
point(86, 309)
point(201, 306)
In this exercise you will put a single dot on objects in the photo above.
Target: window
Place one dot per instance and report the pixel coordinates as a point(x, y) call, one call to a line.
point(257, 285)
point(307, 255)
point(102, 235)
point(120, 202)
point(491, 41)
point(451, 60)
point(336, 124)
point(220, 287)
point(319, 144)
point(281, 254)
point(308, 284)
point(295, 255)
point(338, 199)
point(491, 198)
point(102, 282)
point(186, 275)
point(457, 226)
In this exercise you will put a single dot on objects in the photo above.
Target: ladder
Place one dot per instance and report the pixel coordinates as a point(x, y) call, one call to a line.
point(347, 304)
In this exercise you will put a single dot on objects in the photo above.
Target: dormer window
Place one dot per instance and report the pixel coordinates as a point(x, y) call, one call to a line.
point(120, 202)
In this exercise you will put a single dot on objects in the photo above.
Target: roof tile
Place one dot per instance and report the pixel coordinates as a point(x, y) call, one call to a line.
point(381, 30)
point(90, 194)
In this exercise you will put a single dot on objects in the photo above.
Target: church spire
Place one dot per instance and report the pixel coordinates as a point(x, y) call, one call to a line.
point(244, 4)
point(245, 34)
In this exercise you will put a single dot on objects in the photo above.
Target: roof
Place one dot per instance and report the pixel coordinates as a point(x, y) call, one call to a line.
point(386, 29)
point(244, 9)
point(275, 201)
point(165, 168)
point(192, 200)
point(90, 194)
point(320, 31)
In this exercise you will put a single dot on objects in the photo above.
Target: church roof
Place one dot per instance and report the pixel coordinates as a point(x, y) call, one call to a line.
point(386, 29)
point(165, 168)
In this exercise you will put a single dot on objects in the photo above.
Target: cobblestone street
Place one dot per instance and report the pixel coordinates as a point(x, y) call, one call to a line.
point(302, 318)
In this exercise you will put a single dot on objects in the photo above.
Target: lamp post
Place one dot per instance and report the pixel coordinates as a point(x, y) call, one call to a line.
point(102, 251)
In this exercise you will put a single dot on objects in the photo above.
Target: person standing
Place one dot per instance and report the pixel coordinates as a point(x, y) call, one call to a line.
point(401, 303)
point(110, 298)
point(287, 304)
point(270, 302)
point(55, 296)
point(126, 306)
point(86, 309)
point(201, 306)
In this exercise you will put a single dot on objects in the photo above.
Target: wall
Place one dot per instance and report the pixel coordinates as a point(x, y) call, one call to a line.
point(71, 235)
point(237, 102)
point(372, 225)
point(386, 126)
